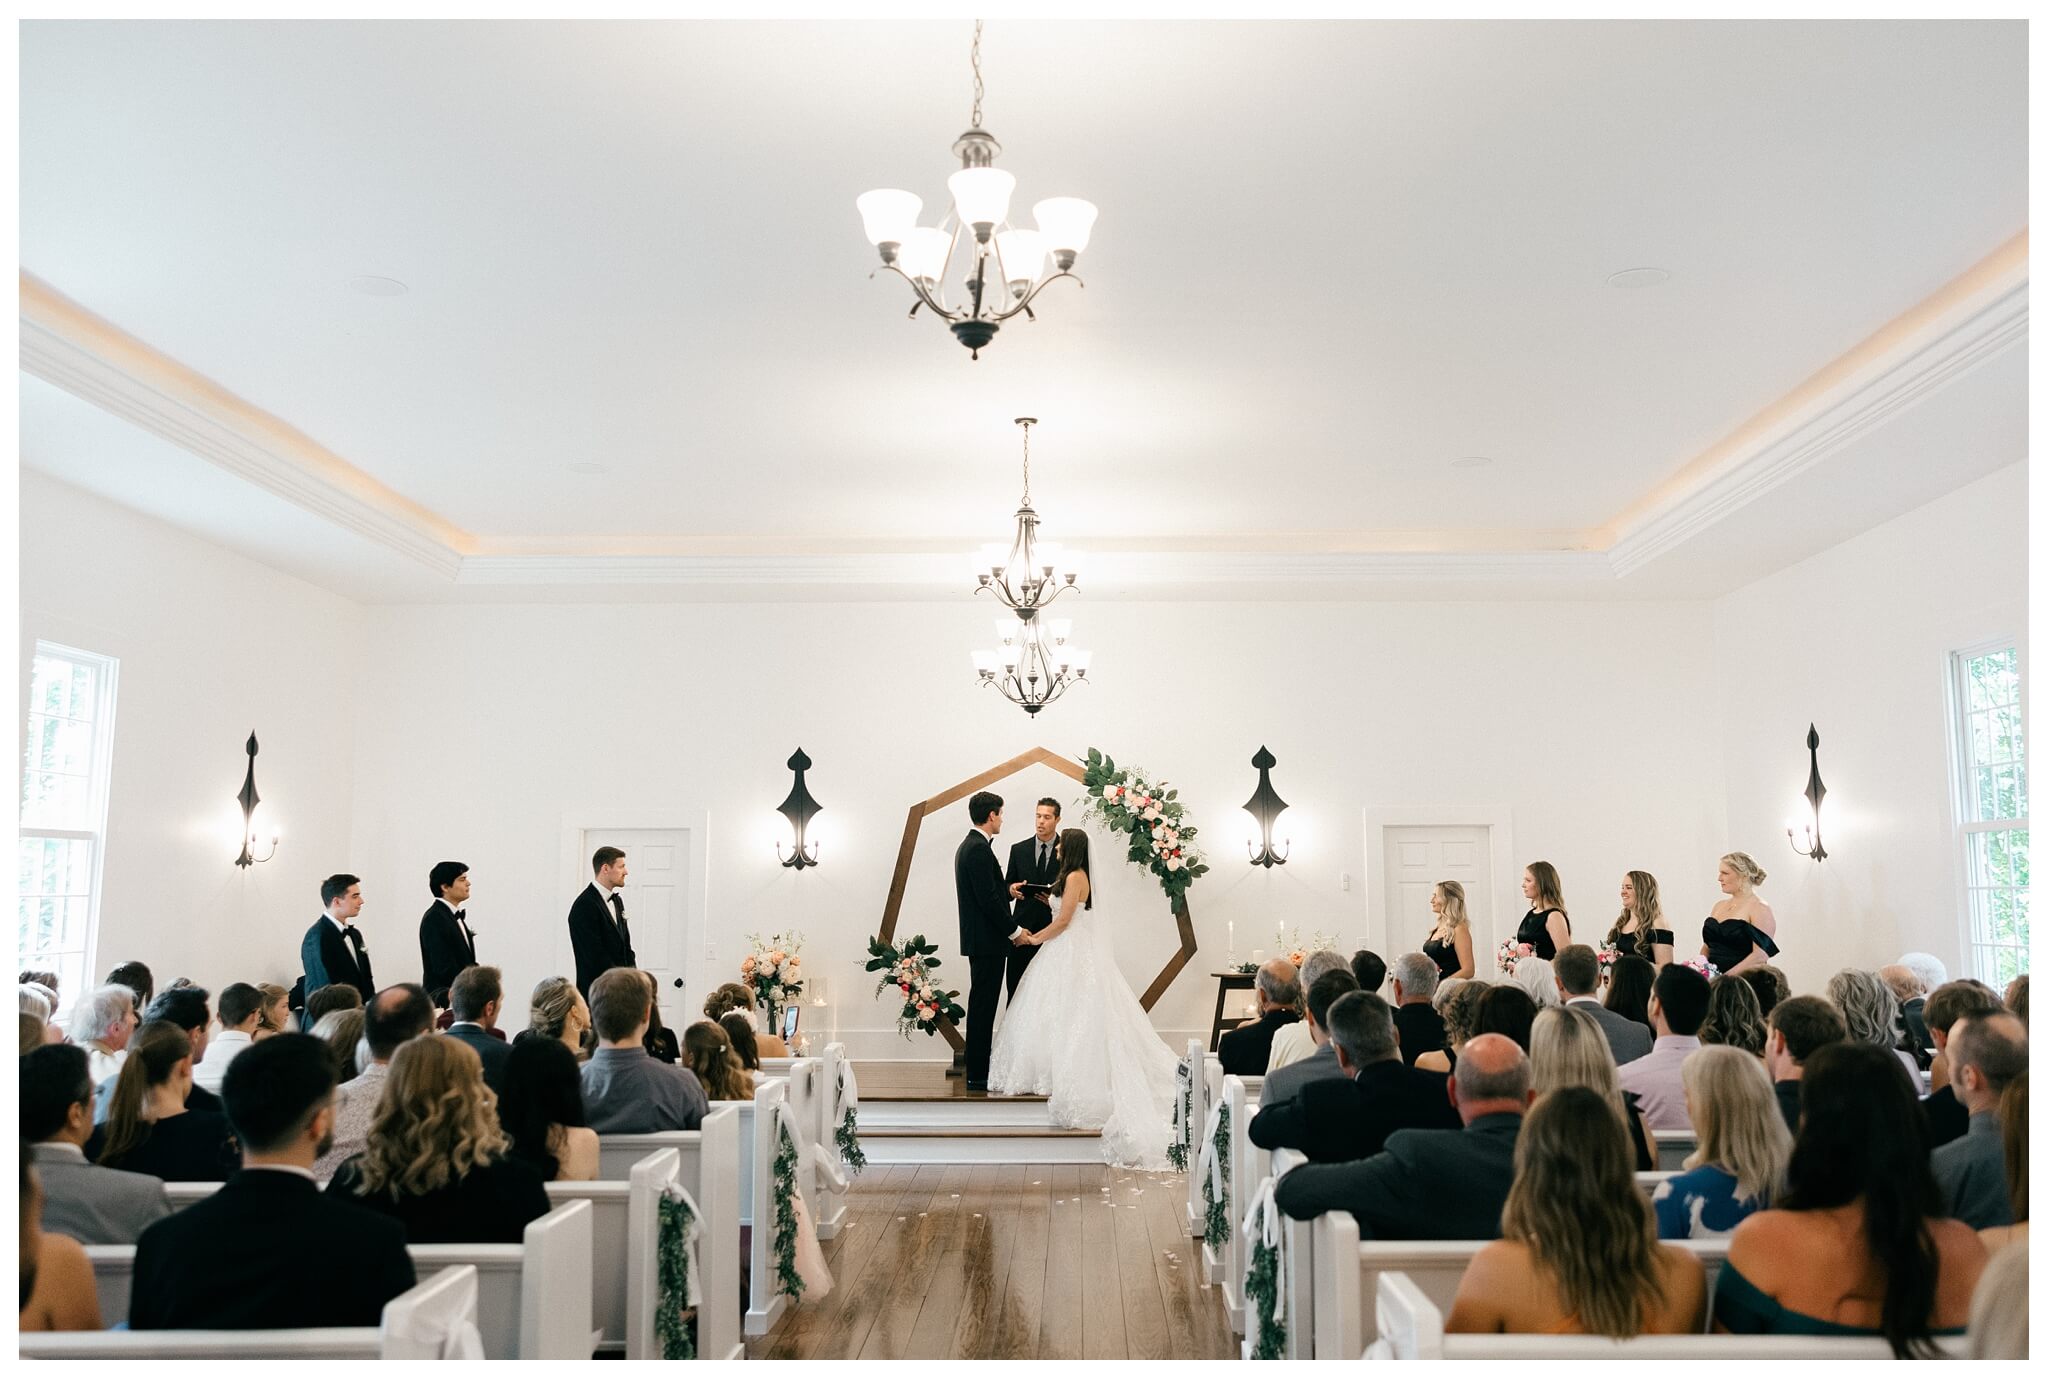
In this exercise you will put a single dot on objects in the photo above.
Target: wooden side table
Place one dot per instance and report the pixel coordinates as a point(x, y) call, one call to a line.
point(1226, 982)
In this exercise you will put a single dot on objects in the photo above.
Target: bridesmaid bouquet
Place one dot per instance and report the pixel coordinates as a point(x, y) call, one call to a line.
point(1698, 963)
point(1509, 953)
point(1607, 954)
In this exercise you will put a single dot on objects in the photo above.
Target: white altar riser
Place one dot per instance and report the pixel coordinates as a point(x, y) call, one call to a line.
point(885, 1045)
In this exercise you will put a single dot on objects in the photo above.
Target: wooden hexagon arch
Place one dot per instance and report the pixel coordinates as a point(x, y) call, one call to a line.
point(919, 812)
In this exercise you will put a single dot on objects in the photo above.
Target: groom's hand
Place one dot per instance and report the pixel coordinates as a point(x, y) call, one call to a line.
point(1016, 890)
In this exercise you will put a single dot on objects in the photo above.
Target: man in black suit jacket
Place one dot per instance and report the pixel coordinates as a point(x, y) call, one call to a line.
point(196, 1269)
point(1432, 1184)
point(475, 999)
point(1335, 1120)
point(1420, 1027)
point(987, 931)
point(1034, 860)
point(1247, 1049)
point(446, 943)
point(333, 951)
point(597, 921)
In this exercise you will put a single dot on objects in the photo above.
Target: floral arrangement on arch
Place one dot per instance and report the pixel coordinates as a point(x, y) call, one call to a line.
point(774, 973)
point(909, 970)
point(1509, 953)
point(1151, 817)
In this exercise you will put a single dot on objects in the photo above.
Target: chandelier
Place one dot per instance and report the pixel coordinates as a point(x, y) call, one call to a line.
point(1006, 266)
point(1032, 664)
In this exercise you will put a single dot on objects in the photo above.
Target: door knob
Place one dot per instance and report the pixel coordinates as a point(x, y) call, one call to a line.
point(679, 983)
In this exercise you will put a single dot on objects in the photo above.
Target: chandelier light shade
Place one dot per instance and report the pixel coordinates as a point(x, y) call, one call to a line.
point(1033, 662)
point(1002, 267)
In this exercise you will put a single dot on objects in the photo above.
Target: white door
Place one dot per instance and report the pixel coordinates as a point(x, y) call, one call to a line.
point(657, 910)
point(1419, 856)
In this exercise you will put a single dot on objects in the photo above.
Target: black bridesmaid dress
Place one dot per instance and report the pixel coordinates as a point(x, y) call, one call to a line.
point(1729, 941)
point(1444, 953)
point(1535, 932)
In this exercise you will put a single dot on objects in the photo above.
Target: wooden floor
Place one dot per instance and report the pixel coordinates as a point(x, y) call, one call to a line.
point(1009, 1261)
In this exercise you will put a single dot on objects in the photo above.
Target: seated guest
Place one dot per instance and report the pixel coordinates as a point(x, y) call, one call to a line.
point(542, 1112)
point(2016, 997)
point(1431, 1184)
point(2012, 1128)
point(395, 1015)
point(1507, 1010)
point(734, 997)
point(1912, 998)
point(1578, 1253)
point(660, 1041)
point(1421, 1028)
point(1928, 972)
point(1958, 1000)
point(708, 1053)
point(475, 998)
point(1369, 969)
point(46, 980)
point(625, 1090)
point(1286, 1082)
point(185, 1007)
point(1985, 1054)
point(1743, 1145)
point(277, 1015)
point(1244, 1050)
point(342, 1032)
point(1292, 1043)
point(1577, 968)
point(435, 1160)
point(136, 977)
point(34, 1031)
point(200, 1269)
point(1566, 1049)
point(739, 1032)
point(1537, 977)
point(1374, 1094)
point(241, 1011)
point(1460, 1012)
point(103, 1023)
point(1799, 1028)
point(1733, 1016)
point(148, 1130)
point(1678, 1004)
point(1870, 1011)
point(57, 1290)
point(1856, 1245)
point(1998, 1309)
point(557, 1011)
point(325, 1000)
point(1628, 989)
point(92, 1204)
point(1770, 985)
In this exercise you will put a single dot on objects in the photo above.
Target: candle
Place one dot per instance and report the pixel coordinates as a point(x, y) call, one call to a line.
point(1231, 929)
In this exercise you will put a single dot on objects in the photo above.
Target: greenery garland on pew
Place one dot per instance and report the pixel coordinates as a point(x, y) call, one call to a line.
point(786, 1277)
point(847, 1137)
point(1216, 1212)
point(1261, 1295)
point(672, 1329)
point(1183, 1129)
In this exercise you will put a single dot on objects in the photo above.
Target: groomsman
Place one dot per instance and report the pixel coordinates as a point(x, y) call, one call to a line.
point(597, 921)
point(333, 951)
point(1032, 860)
point(446, 943)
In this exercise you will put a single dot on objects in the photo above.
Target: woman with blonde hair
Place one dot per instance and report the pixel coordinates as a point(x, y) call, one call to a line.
point(733, 997)
point(435, 1159)
point(1741, 933)
point(557, 1012)
point(1450, 943)
point(1871, 1012)
point(1578, 1252)
point(1734, 1015)
point(148, 1130)
point(1546, 928)
point(1744, 1146)
point(1567, 1048)
point(708, 1053)
point(1460, 1009)
point(276, 1011)
point(1638, 928)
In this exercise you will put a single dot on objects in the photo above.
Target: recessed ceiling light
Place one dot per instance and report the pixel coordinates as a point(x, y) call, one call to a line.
point(1638, 277)
point(378, 287)
point(1471, 461)
point(587, 467)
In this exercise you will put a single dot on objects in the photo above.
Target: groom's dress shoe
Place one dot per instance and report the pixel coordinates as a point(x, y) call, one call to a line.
point(977, 1086)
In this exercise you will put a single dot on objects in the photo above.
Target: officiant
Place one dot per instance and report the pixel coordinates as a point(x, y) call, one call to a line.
point(1034, 862)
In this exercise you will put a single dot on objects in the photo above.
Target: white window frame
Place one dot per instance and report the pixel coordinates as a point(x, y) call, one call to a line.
point(1962, 787)
point(101, 780)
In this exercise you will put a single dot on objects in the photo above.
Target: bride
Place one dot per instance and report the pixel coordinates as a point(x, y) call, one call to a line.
point(1077, 1035)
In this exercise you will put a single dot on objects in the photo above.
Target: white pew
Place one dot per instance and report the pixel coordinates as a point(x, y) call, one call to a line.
point(758, 1142)
point(1208, 1086)
point(842, 1093)
point(183, 1195)
point(1413, 1328)
point(810, 1103)
point(1297, 1268)
point(412, 1326)
point(1249, 1166)
point(1672, 1148)
point(533, 1298)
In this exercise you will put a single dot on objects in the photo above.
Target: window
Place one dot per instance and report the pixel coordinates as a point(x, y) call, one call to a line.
point(1991, 808)
point(64, 811)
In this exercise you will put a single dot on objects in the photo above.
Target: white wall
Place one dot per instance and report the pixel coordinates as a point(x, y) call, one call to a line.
point(1857, 640)
point(211, 646)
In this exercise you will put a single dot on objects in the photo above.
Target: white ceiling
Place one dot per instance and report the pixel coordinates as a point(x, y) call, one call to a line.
point(1332, 258)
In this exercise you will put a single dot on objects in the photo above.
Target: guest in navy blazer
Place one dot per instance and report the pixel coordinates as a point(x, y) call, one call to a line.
point(475, 1000)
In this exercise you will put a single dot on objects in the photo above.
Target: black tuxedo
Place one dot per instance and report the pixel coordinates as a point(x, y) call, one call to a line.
point(1334, 1120)
point(197, 1269)
point(445, 949)
point(329, 959)
point(985, 928)
point(1033, 912)
point(601, 936)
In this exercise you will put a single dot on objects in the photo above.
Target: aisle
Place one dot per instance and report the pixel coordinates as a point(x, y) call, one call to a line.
point(1009, 1261)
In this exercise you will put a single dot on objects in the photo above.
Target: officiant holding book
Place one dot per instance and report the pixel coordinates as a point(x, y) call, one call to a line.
point(1034, 863)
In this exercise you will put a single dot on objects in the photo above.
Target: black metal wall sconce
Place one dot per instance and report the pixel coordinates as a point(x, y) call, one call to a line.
point(1815, 792)
point(1265, 806)
point(799, 809)
point(250, 799)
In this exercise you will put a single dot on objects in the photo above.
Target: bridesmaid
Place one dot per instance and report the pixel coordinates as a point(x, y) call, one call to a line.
point(1636, 928)
point(1742, 932)
point(1450, 943)
point(1546, 928)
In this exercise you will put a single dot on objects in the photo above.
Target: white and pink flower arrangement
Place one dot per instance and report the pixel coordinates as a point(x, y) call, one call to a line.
point(1607, 953)
point(909, 969)
point(1698, 963)
point(1509, 953)
point(774, 972)
point(1152, 819)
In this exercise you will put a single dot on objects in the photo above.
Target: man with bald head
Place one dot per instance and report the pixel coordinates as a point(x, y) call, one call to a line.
point(393, 1016)
point(1432, 1184)
point(1246, 1049)
point(1986, 1053)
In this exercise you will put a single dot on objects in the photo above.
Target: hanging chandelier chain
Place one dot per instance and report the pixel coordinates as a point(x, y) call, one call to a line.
point(974, 60)
point(1027, 462)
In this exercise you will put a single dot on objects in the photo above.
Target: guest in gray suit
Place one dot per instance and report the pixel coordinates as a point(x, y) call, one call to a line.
point(92, 1205)
point(1285, 1083)
point(1578, 976)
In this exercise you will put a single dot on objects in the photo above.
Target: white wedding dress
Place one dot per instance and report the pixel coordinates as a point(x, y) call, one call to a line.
point(1076, 1035)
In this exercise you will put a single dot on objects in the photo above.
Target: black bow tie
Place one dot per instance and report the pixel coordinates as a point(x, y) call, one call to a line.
point(462, 915)
point(353, 937)
point(618, 905)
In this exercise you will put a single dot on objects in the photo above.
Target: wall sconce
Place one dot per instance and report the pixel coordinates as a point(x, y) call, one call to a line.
point(1815, 793)
point(1265, 806)
point(250, 799)
point(799, 809)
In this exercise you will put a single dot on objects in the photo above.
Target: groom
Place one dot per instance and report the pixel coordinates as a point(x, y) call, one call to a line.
point(987, 933)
